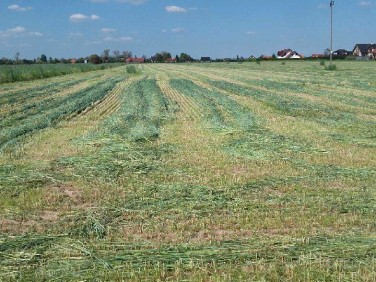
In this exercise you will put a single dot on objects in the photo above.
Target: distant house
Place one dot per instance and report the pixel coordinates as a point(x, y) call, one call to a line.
point(73, 61)
point(372, 51)
point(342, 53)
point(135, 60)
point(365, 50)
point(205, 59)
point(318, 56)
point(288, 54)
point(170, 60)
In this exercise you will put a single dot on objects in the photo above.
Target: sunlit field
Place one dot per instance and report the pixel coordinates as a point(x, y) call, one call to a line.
point(190, 172)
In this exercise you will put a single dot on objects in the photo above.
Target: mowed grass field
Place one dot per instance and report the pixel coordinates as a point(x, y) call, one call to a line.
point(190, 172)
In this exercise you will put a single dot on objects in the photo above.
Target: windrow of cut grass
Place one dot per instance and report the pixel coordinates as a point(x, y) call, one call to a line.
point(50, 110)
point(251, 138)
point(185, 179)
point(346, 122)
point(124, 142)
point(137, 262)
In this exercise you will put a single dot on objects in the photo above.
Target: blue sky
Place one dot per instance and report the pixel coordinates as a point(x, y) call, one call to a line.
point(216, 28)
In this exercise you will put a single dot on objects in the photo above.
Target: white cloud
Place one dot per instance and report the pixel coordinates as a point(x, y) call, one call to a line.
point(17, 29)
point(178, 30)
point(365, 3)
point(18, 8)
point(108, 30)
point(250, 33)
point(175, 9)
point(35, 33)
point(118, 39)
point(164, 30)
point(78, 18)
point(82, 18)
point(125, 38)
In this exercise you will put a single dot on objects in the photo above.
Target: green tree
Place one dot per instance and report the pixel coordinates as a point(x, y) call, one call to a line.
point(43, 58)
point(166, 55)
point(106, 55)
point(159, 58)
point(185, 58)
point(95, 59)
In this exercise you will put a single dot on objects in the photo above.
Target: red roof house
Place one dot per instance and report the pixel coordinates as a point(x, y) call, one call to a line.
point(135, 60)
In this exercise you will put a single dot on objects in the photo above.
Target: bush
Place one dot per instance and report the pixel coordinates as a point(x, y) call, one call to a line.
point(331, 68)
point(322, 63)
point(131, 69)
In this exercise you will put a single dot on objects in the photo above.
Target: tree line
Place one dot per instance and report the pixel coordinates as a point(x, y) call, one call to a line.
point(106, 56)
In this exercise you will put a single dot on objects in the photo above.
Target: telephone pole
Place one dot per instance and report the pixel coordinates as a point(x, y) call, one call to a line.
point(331, 31)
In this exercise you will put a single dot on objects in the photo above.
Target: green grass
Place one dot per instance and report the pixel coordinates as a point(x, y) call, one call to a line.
point(225, 173)
point(16, 73)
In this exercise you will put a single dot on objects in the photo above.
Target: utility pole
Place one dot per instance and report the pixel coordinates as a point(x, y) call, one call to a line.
point(331, 31)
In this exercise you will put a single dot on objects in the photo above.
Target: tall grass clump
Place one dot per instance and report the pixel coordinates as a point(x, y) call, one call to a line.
point(332, 67)
point(132, 70)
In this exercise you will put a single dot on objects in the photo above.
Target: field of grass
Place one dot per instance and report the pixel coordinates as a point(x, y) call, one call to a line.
point(190, 172)
point(16, 73)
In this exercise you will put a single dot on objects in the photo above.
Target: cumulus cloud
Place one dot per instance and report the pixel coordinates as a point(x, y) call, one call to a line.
point(175, 9)
point(18, 8)
point(82, 18)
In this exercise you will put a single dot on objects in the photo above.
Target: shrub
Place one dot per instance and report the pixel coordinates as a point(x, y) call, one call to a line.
point(331, 67)
point(131, 69)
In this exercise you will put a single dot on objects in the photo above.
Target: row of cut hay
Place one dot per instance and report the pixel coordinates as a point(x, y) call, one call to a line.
point(56, 111)
point(187, 106)
point(111, 103)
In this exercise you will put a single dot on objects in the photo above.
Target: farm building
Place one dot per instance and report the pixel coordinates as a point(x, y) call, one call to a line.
point(205, 59)
point(318, 56)
point(170, 60)
point(342, 53)
point(135, 60)
point(288, 54)
point(365, 50)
